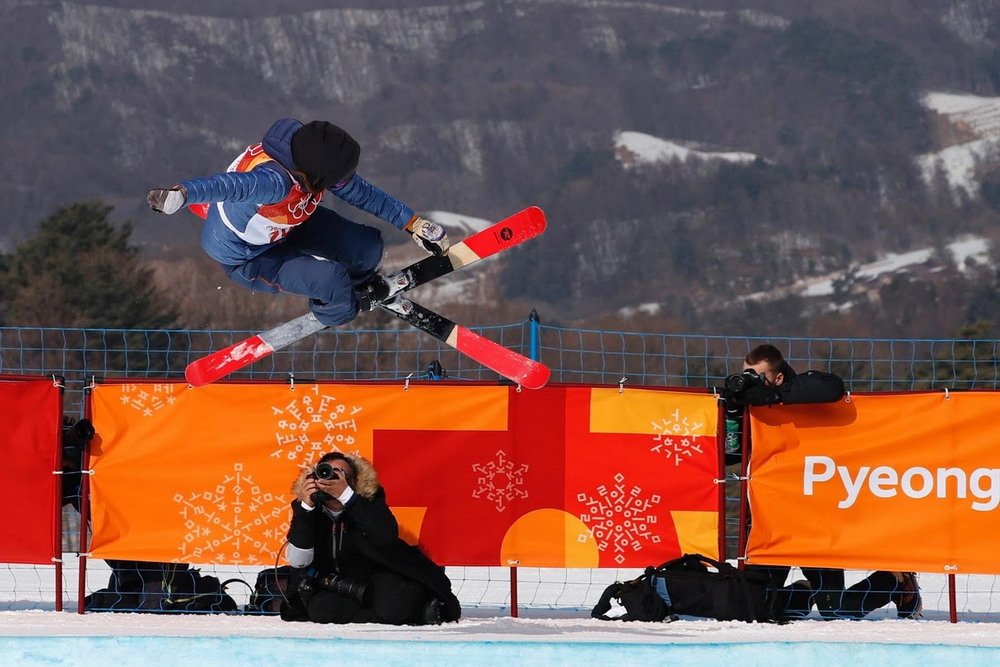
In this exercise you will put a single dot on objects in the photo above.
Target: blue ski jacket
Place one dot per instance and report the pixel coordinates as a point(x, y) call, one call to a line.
point(257, 202)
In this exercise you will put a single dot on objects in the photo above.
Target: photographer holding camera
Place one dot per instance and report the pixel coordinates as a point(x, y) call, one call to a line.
point(349, 563)
point(767, 379)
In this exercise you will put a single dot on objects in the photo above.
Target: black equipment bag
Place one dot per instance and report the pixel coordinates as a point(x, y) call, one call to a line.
point(271, 587)
point(160, 588)
point(644, 599)
point(727, 594)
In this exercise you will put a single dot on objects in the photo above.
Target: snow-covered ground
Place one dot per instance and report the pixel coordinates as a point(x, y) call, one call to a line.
point(484, 636)
point(540, 635)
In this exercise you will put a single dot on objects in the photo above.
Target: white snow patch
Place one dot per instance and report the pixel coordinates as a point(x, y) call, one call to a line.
point(457, 222)
point(958, 164)
point(963, 250)
point(634, 148)
point(969, 249)
point(979, 116)
point(644, 308)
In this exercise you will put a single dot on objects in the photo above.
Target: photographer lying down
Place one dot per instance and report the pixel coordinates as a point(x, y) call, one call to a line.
point(349, 563)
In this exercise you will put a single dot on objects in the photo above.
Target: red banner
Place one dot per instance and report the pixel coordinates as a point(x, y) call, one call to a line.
point(30, 451)
point(477, 474)
point(582, 478)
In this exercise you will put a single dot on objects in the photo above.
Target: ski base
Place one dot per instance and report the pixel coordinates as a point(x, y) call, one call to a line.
point(219, 364)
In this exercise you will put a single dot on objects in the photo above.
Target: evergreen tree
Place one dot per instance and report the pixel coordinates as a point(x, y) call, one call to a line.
point(79, 270)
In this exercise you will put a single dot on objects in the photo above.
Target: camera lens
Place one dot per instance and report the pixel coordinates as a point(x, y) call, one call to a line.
point(348, 588)
point(736, 382)
point(326, 471)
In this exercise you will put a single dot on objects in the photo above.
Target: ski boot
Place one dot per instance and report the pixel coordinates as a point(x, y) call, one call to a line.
point(380, 288)
point(400, 305)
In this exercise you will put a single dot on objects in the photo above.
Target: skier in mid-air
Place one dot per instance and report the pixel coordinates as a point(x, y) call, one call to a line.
point(266, 228)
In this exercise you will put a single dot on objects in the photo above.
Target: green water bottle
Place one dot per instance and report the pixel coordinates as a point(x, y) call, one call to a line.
point(732, 435)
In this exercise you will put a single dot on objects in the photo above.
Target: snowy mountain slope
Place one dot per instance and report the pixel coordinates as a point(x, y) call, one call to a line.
point(964, 251)
point(633, 149)
point(976, 122)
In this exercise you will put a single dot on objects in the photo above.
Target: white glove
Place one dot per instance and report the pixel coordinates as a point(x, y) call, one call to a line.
point(429, 235)
point(167, 201)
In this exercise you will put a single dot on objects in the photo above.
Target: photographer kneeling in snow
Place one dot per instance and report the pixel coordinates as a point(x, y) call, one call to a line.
point(349, 563)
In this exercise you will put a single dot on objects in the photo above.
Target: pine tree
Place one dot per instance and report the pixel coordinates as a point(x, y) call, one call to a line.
point(79, 270)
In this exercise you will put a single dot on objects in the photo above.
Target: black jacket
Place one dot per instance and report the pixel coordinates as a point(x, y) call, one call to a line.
point(808, 387)
point(363, 540)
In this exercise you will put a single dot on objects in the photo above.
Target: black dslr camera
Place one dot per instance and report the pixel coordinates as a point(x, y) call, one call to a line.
point(323, 471)
point(737, 383)
point(311, 581)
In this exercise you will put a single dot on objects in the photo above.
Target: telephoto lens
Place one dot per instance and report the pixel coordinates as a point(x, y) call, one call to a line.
point(348, 588)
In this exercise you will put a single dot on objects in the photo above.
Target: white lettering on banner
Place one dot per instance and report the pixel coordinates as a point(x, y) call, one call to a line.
point(916, 482)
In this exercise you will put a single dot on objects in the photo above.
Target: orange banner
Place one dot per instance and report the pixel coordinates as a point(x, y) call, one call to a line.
point(880, 481)
point(477, 474)
point(30, 454)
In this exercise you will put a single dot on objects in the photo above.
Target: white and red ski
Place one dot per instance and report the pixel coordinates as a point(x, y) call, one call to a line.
point(219, 364)
point(496, 238)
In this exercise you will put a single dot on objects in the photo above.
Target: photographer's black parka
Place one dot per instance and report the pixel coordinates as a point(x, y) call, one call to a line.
point(797, 388)
point(362, 544)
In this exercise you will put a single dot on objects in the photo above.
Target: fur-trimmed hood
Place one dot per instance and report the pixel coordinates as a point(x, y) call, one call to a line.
point(366, 484)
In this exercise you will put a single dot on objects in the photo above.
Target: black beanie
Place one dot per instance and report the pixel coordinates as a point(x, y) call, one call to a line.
point(325, 153)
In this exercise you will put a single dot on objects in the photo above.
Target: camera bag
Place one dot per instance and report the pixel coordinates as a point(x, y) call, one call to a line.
point(644, 599)
point(271, 587)
point(160, 588)
point(727, 594)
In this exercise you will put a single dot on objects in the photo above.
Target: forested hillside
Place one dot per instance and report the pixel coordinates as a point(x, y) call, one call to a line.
point(484, 108)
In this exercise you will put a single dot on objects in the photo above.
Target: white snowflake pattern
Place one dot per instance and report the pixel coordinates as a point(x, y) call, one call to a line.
point(149, 399)
point(500, 481)
point(620, 518)
point(675, 439)
point(339, 421)
point(236, 522)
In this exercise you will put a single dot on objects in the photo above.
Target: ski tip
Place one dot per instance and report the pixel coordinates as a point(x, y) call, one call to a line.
point(195, 376)
point(535, 378)
point(220, 364)
point(200, 210)
point(537, 218)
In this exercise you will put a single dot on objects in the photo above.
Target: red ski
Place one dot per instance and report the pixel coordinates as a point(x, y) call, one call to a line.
point(508, 363)
point(496, 238)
